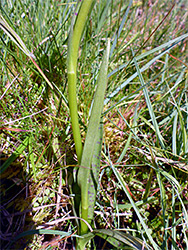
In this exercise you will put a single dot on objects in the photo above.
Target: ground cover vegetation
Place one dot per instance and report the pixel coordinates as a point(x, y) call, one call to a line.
point(94, 124)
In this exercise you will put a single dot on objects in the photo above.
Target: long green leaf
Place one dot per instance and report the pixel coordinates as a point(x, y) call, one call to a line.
point(42, 231)
point(38, 231)
point(94, 121)
point(14, 36)
point(121, 240)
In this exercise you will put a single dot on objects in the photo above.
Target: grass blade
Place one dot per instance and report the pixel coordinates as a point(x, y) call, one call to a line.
point(150, 52)
point(18, 41)
point(14, 155)
point(120, 28)
point(14, 36)
point(150, 108)
point(171, 44)
point(130, 135)
point(123, 185)
point(121, 240)
point(39, 231)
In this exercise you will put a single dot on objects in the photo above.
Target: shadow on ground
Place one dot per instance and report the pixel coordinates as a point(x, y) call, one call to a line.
point(15, 207)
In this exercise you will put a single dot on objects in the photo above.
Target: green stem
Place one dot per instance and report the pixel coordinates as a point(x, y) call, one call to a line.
point(76, 32)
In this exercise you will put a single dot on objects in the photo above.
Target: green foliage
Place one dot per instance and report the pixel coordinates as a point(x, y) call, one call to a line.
point(138, 181)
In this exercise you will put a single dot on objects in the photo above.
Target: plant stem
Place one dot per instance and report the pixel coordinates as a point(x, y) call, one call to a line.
point(76, 31)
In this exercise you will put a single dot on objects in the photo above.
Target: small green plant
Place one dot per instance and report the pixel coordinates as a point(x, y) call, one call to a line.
point(89, 158)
